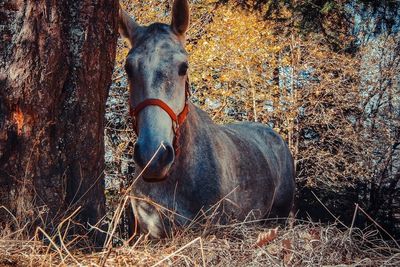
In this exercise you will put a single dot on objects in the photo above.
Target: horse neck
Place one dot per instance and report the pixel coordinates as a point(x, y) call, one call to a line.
point(194, 132)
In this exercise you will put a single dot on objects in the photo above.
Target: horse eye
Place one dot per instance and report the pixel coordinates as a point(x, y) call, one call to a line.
point(183, 69)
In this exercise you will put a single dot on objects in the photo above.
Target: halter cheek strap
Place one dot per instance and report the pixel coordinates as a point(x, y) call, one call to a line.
point(177, 120)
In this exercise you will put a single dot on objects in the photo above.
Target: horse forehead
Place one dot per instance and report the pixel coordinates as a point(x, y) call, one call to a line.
point(165, 52)
point(157, 48)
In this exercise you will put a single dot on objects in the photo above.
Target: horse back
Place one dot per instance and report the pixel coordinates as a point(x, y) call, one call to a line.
point(259, 164)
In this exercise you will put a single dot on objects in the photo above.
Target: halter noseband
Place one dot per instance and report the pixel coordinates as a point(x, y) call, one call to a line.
point(177, 120)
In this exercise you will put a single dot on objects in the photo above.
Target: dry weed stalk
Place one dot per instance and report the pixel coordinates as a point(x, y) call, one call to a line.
point(242, 243)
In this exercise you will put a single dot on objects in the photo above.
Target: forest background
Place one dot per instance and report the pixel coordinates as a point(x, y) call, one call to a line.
point(323, 74)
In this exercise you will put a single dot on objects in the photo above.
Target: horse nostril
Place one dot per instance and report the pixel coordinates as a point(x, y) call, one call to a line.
point(165, 156)
point(137, 157)
point(168, 156)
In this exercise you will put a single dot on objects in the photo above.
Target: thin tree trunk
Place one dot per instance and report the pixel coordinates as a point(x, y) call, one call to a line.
point(56, 61)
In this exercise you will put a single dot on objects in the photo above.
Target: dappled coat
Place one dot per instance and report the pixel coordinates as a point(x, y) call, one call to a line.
point(187, 166)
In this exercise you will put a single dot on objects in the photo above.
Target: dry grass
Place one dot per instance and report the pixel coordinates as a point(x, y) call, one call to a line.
point(249, 243)
point(241, 244)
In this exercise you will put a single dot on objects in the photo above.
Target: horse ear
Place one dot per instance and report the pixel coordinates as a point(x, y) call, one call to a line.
point(180, 17)
point(127, 26)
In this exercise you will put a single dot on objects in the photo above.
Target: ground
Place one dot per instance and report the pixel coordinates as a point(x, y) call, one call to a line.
point(241, 244)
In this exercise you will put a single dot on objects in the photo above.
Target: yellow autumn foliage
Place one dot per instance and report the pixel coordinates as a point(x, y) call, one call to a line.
point(246, 68)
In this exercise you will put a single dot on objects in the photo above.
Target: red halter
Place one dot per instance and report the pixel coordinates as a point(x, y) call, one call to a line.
point(177, 120)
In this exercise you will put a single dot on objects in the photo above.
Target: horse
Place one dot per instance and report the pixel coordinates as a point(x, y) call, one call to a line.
point(185, 163)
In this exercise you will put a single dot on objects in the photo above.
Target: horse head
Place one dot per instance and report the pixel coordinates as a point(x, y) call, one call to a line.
point(157, 67)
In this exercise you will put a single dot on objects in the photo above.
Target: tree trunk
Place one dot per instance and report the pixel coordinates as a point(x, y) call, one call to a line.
point(56, 62)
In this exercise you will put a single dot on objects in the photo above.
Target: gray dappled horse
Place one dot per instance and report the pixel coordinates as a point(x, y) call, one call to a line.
point(187, 162)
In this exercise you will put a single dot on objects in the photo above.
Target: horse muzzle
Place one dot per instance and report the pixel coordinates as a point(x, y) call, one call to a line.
point(154, 164)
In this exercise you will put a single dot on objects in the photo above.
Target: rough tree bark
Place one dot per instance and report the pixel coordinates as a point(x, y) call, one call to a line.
point(56, 62)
